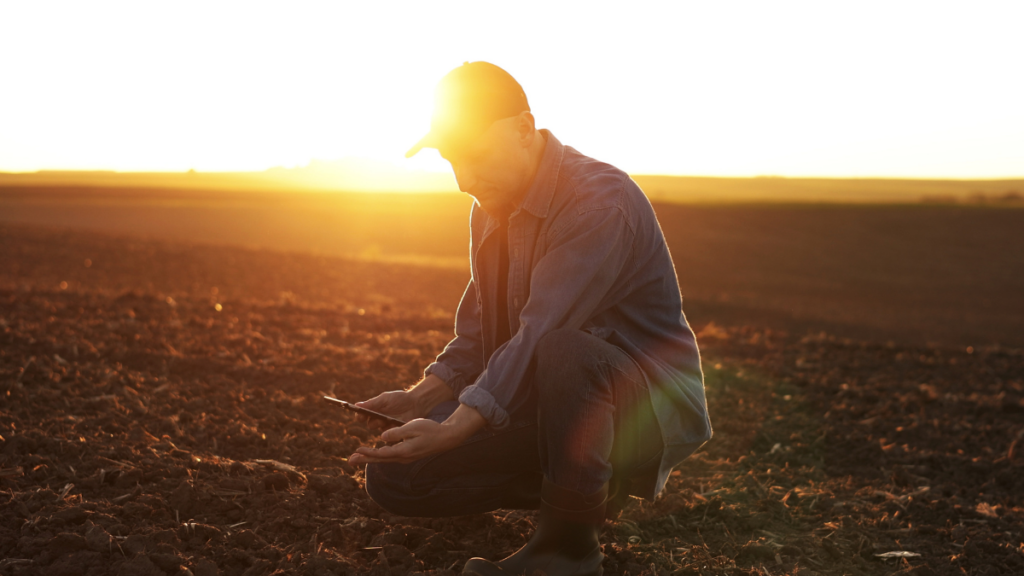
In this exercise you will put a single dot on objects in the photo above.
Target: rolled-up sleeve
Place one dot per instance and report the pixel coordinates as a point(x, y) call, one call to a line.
point(568, 283)
point(462, 359)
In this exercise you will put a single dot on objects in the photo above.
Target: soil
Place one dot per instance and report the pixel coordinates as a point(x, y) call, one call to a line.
point(161, 413)
point(908, 273)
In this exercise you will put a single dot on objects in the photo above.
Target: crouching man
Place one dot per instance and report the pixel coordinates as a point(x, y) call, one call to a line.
point(573, 380)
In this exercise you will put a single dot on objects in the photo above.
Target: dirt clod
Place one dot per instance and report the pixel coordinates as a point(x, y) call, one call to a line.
point(276, 481)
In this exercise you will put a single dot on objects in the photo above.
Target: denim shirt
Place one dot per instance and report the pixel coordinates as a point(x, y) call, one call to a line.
point(586, 252)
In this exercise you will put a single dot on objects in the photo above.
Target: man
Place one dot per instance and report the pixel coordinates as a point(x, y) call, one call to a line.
point(573, 379)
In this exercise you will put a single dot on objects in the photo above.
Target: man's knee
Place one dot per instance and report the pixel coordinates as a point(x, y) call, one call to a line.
point(561, 350)
point(566, 367)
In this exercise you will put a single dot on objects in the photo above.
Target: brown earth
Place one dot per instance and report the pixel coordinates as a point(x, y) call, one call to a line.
point(160, 413)
point(916, 274)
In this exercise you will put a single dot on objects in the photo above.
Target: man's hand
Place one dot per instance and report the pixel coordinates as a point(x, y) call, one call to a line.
point(397, 403)
point(421, 438)
point(408, 405)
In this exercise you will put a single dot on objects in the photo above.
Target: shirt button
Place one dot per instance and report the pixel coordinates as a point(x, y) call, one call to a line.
point(515, 301)
point(515, 252)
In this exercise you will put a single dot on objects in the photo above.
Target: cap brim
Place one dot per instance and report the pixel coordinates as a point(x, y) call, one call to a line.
point(428, 141)
point(454, 138)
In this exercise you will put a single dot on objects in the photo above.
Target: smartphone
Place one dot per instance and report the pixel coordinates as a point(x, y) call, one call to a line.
point(366, 412)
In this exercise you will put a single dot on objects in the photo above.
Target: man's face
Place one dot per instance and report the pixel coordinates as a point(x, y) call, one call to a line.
point(494, 167)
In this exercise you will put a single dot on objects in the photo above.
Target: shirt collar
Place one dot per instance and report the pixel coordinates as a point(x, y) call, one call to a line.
point(538, 198)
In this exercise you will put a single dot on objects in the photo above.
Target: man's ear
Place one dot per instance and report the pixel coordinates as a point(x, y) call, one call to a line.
point(526, 127)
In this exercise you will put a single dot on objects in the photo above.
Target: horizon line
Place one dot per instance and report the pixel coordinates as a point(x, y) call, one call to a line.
point(190, 172)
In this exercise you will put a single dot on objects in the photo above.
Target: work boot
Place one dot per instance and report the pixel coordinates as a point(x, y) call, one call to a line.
point(566, 542)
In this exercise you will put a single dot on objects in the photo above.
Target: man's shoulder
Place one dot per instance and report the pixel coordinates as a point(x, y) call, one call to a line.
point(590, 184)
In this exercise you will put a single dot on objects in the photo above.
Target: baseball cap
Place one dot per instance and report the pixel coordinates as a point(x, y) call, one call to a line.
point(467, 101)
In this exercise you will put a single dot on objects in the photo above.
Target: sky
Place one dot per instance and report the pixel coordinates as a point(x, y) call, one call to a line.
point(838, 89)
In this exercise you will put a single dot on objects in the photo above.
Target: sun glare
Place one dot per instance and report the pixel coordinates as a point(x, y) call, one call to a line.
point(914, 89)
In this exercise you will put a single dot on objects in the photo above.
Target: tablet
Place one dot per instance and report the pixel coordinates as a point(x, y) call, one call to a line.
point(365, 412)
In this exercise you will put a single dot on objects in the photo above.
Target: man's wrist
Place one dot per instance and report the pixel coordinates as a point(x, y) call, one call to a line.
point(430, 392)
point(464, 422)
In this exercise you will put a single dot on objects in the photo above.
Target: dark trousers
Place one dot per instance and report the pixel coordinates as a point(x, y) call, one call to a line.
point(585, 419)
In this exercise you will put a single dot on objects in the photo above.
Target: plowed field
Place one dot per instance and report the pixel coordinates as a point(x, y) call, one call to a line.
point(160, 413)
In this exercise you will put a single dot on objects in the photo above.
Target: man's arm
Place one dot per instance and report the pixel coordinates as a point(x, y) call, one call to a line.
point(568, 284)
point(462, 358)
